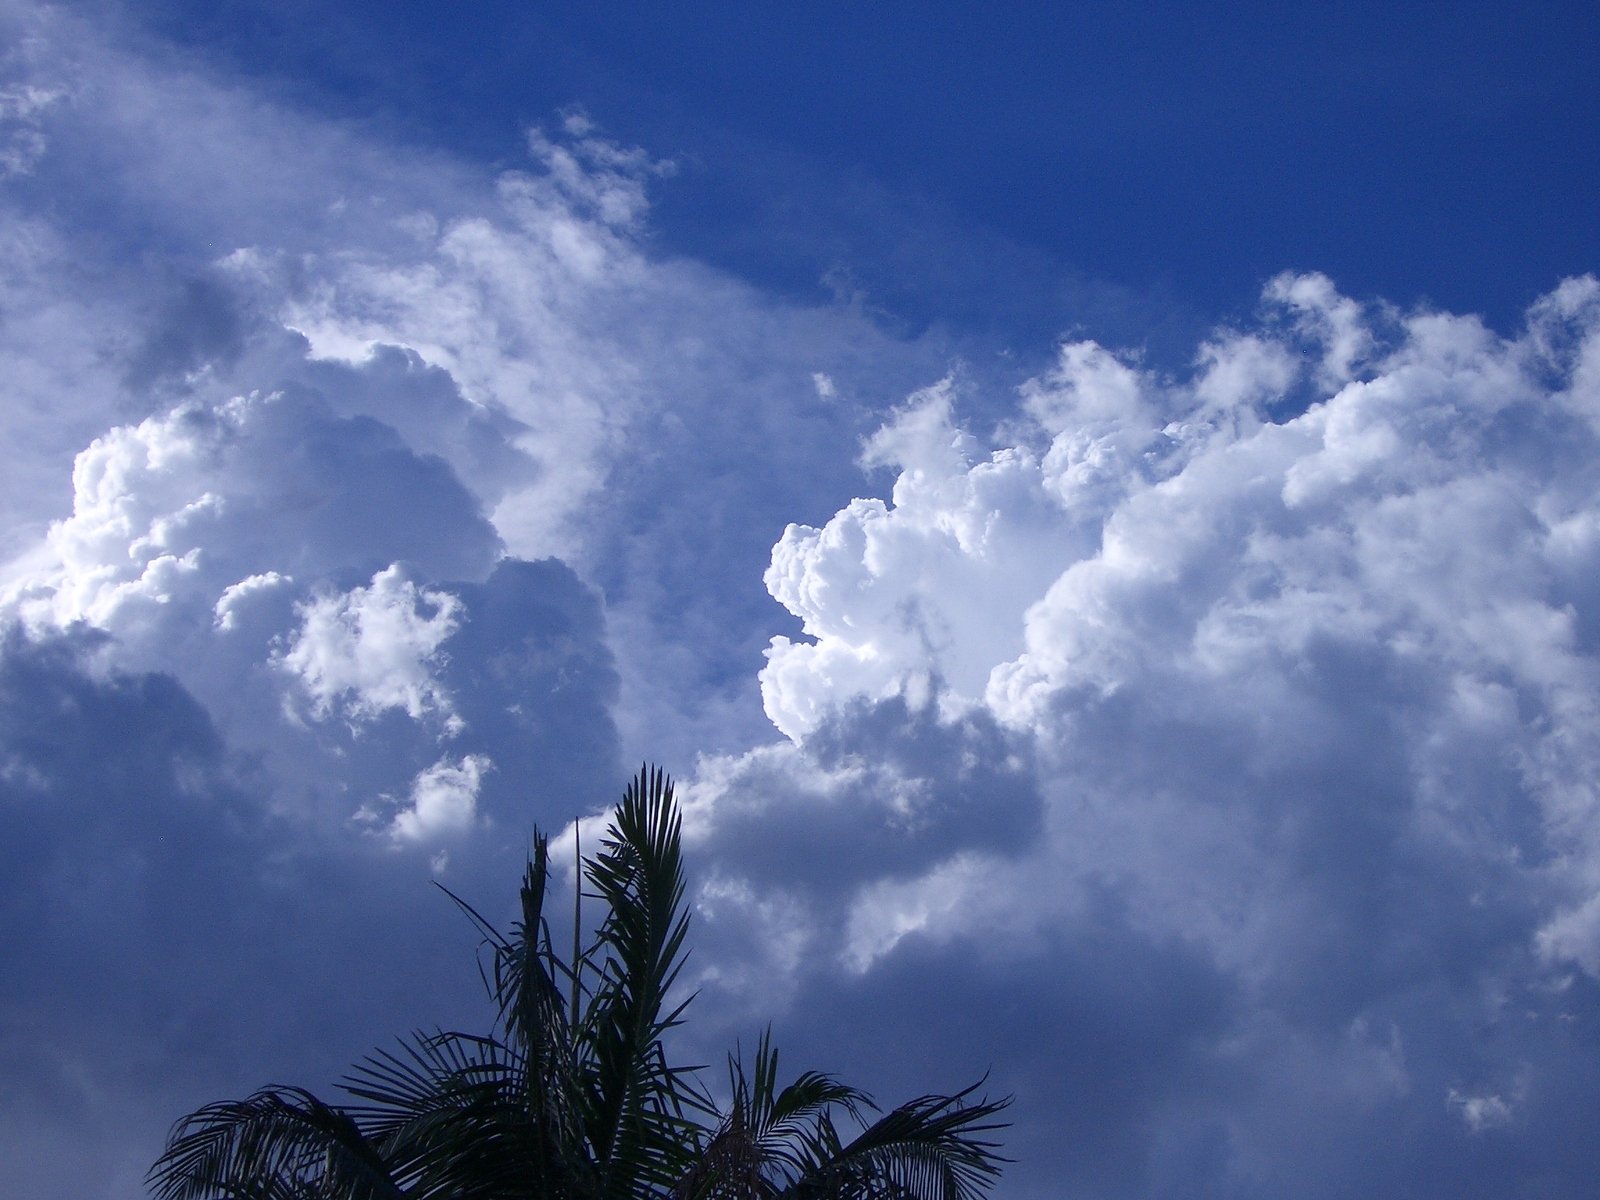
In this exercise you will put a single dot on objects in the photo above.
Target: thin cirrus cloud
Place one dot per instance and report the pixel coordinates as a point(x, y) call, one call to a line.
point(1205, 751)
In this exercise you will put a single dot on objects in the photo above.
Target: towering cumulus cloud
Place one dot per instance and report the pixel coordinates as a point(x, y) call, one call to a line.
point(1204, 744)
point(1299, 650)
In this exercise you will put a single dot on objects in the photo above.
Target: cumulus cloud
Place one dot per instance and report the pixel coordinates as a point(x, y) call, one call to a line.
point(237, 597)
point(174, 510)
point(1149, 532)
point(896, 597)
point(313, 581)
point(374, 648)
point(1296, 650)
point(443, 800)
point(251, 547)
point(1209, 751)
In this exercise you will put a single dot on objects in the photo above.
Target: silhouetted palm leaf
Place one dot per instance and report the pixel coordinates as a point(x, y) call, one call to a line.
point(574, 1096)
point(930, 1148)
point(280, 1144)
point(785, 1144)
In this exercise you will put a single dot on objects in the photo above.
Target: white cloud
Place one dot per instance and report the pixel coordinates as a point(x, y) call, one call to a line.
point(1481, 1113)
point(1335, 322)
point(443, 801)
point(171, 513)
point(1200, 554)
point(22, 143)
point(373, 648)
point(520, 303)
point(217, 542)
point(885, 913)
point(141, 514)
point(934, 587)
point(237, 596)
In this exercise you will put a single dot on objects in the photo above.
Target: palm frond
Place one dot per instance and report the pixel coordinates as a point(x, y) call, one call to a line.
point(525, 981)
point(279, 1144)
point(639, 1125)
point(430, 1073)
point(770, 1138)
point(929, 1148)
point(573, 1095)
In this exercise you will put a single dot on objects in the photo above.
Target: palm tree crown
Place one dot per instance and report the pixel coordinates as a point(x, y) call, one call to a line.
point(573, 1096)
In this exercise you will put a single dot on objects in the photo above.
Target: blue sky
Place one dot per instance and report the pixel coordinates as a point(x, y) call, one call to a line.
point(1195, 149)
point(1098, 511)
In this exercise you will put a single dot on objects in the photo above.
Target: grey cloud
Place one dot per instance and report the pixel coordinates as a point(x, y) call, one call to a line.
point(369, 499)
point(1098, 1029)
point(535, 685)
point(86, 826)
point(1309, 727)
point(528, 672)
point(130, 845)
point(1311, 816)
point(172, 937)
point(1143, 1067)
point(199, 326)
point(424, 404)
point(880, 790)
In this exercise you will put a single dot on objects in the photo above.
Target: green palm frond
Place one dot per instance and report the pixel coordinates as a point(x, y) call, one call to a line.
point(528, 979)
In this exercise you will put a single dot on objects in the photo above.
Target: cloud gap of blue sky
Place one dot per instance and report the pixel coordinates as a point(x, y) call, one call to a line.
point(1099, 511)
point(1202, 148)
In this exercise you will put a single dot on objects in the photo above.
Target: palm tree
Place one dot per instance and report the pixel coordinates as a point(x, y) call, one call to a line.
point(573, 1095)
point(775, 1143)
